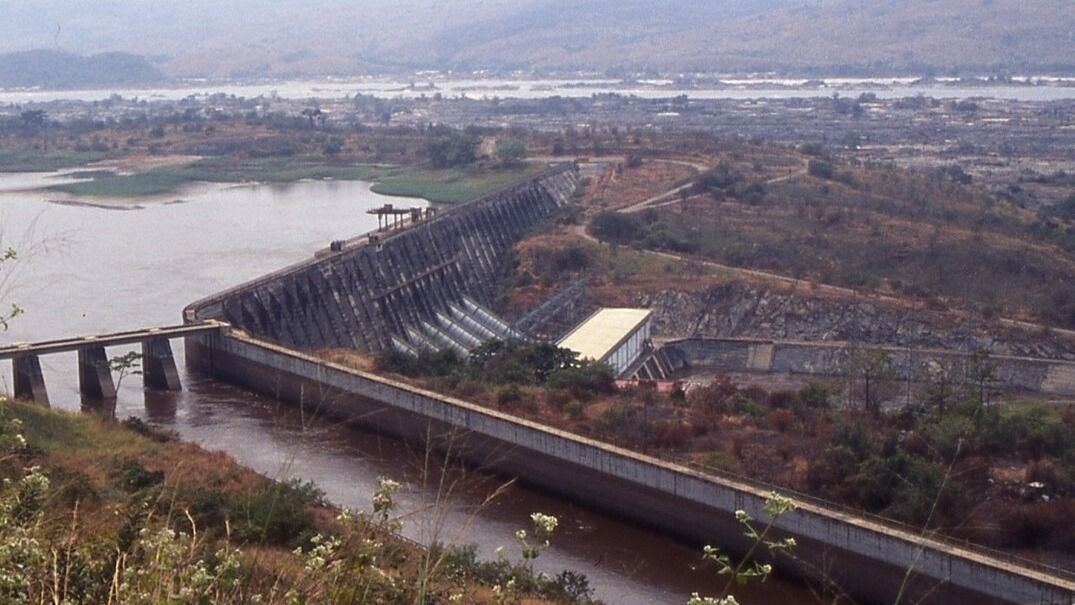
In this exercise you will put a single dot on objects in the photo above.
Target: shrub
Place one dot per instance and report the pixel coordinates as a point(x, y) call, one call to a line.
point(133, 477)
point(780, 420)
point(572, 587)
point(1038, 524)
point(584, 382)
point(616, 227)
point(509, 395)
point(821, 169)
point(718, 179)
point(274, 514)
point(747, 406)
point(426, 364)
point(715, 396)
point(783, 399)
point(575, 410)
point(452, 148)
point(558, 399)
point(671, 435)
point(618, 422)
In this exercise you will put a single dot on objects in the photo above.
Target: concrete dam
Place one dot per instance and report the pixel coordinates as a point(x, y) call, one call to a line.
point(425, 284)
point(430, 283)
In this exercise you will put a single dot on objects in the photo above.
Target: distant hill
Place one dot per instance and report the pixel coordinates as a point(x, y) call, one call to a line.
point(57, 69)
point(822, 36)
point(293, 38)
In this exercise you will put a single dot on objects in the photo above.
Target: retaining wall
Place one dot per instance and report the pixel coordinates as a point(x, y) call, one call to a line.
point(867, 559)
point(360, 297)
point(831, 359)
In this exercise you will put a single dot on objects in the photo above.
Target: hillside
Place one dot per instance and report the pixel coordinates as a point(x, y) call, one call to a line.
point(57, 69)
point(837, 36)
point(95, 511)
point(291, 39)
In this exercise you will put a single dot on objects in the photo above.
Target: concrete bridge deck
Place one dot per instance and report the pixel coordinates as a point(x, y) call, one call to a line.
point(114, 339)
point(95, 368)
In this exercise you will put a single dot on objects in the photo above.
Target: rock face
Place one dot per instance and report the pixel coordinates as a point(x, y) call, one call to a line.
point(741, 310)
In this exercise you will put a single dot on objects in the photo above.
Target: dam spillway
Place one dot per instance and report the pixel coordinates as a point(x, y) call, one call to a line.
point(364, 296)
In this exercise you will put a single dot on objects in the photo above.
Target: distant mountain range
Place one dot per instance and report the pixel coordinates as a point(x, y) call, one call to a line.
point(57, 69)
point(294, 38)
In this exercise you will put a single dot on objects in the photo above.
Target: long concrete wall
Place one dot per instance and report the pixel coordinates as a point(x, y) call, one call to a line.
point(1048, 376)
point(866, 558)
point(360, 297)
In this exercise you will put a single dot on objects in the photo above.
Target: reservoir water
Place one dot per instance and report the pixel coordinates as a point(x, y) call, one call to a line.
point(87, 269)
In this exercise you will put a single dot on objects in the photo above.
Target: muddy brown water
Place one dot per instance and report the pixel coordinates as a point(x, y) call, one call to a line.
point(85, 269)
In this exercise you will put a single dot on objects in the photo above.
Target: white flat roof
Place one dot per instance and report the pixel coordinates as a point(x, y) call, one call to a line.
point(598, 336)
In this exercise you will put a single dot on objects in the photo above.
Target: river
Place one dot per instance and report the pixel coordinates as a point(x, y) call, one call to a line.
point(87, 269)
point(1045, 89)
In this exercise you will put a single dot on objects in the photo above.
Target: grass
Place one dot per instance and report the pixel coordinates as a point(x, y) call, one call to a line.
point(160, 181)
point(439, 186)
point(45, 161)
point(452, 185)
point(154, 182)
point(127, 509)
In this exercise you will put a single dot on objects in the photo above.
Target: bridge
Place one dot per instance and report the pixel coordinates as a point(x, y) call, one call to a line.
point(95, 381)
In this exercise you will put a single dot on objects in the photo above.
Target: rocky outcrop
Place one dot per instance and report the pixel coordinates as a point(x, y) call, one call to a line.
point(741, 310)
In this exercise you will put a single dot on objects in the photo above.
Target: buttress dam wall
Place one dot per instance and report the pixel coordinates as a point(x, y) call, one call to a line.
point(361, 297)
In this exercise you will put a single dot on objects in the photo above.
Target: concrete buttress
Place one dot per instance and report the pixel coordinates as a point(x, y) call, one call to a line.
point(158, 366)
point(29, 380)
point(94, 375)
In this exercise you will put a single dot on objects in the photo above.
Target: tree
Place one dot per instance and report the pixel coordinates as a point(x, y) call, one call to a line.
point(718, 179)
point(452, 148)
point(33, 119)
point(981, 374)
point(510, 152)
point(872, 365)
point(7, 256)
point(821, 169)
point(616, 227)
point(315, 114)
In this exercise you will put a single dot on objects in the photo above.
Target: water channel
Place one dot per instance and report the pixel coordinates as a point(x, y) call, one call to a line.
point(88, 269)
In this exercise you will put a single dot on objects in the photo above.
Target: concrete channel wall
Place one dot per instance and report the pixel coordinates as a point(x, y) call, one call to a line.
point(359, 297)
point(866, 558)
point(1047, 376)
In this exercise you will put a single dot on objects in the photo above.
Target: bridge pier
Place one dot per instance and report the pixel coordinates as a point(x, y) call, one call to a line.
point(29, 380)
point(94, 375)
point(158, 365)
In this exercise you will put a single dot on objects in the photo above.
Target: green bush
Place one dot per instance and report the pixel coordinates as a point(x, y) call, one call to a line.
point(616, 227)
point(274, 514)
point(509, 395)
point(821, 169)
point(133, 477)
point(585, 381)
